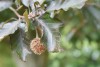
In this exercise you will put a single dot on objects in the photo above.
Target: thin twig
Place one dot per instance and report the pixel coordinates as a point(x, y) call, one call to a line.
point(19, 8)
point(36, 33)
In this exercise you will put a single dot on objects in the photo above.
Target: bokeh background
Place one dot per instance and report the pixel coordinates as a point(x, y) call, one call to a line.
point(80, 39)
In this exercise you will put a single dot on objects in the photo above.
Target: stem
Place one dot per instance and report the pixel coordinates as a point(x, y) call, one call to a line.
point(17, 14)
point(36, 33)
point(19, 7)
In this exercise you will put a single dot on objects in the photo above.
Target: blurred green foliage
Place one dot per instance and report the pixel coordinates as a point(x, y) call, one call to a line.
point(80, 38)
point(5, 56)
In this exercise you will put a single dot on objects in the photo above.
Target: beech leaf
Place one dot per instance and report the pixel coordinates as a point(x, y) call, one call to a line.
point(26, 18)
point(8, 28)
point(5, 4)
point(27, 3)
point(19, 43)
point(65, 4)
point(52, 36)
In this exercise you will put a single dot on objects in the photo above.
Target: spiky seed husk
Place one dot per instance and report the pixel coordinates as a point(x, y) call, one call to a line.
point(36, 46)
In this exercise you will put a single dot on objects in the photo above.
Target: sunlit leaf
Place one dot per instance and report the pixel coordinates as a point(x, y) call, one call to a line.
point(8, 28)
point(5, 4)
point(26, 2)
point(1, 25)
point(66, 4)
point(31, 2)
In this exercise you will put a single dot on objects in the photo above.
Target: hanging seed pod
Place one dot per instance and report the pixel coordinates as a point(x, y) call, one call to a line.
point(36, 46)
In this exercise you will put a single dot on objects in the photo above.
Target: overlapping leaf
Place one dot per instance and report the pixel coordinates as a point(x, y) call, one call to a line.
point(31, 2)
point(19, 43)
point(65, 4)
point(52, 35)
point(95, 12)
point(5, 4)
point(8, 28)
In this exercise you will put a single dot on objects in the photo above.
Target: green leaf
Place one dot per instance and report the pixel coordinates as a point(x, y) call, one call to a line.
point(18, 2)
point(26, 18)
point(19, 42)
point(26, 2)
point(8, 28)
